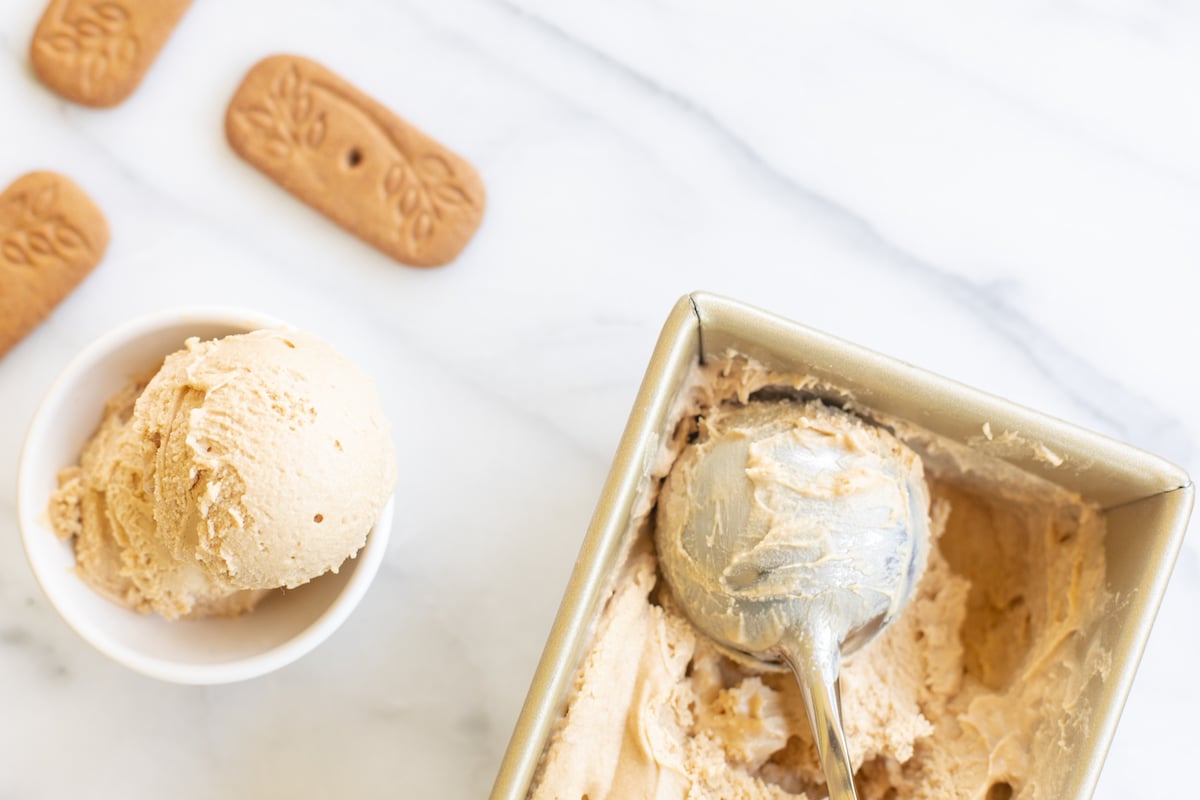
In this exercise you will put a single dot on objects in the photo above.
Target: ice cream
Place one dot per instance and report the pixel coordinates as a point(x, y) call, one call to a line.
point(969, 694)
point(245, 464)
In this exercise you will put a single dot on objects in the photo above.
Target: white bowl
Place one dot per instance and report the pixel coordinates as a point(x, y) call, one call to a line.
point(282, 628)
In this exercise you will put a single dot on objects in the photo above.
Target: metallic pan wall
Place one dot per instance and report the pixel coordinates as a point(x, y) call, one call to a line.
point(1146, 501)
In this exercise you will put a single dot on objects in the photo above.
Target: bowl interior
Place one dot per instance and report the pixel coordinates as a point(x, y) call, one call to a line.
point(283, 627)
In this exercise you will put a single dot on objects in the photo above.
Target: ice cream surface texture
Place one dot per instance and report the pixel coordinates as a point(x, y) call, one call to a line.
point(245, 464)
point(972, 691)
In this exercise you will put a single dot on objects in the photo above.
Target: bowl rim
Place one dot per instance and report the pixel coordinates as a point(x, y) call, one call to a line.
point(367, 562)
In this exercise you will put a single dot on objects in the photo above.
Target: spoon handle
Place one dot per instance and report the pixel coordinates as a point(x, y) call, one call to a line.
point(816, 668)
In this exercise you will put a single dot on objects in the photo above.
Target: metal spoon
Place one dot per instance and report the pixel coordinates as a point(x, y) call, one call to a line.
point(795, 532)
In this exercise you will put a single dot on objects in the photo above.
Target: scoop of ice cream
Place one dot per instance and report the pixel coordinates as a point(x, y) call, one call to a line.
point(789, 511)
point(246, 463)
point(271, 456)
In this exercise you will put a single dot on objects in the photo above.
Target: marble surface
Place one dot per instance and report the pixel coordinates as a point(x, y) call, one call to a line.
point(1006, 193)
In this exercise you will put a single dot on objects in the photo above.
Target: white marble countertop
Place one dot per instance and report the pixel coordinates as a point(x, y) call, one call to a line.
point(1008, 195)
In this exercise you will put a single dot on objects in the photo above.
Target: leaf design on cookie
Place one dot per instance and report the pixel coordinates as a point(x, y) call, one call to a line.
point(279, 146)
point(410, 201)
point(451, 195)
point(43, 201)
point(393, 180)
point(287, 118)
point(433, 167)
point(61, 43)
point(35, 229)
point(316, 132)
point(259, 117)
point(112, 15)
point(288, 83)
point(423, 191)
point(40, 243)
point(96, 41)
point(98, 68)
point(51, 236)
point(13, 209)
point(422, 229)
point(355, 161)
point(68, 238)
point(90, 31)
point(14, 253)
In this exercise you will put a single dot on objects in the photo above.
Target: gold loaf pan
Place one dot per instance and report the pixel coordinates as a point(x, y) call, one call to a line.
point(1145, 499)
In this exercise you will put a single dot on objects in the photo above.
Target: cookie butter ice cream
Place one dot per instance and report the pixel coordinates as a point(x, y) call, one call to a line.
point(972, 690)
point(245, 464)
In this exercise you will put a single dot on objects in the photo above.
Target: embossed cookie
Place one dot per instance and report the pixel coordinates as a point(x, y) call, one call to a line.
point(355, 161)
point(51, 237)
point(96, 53)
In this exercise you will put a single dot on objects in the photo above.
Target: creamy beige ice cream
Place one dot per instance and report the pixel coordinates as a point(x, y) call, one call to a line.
point(971, 692)
point(245, 464)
